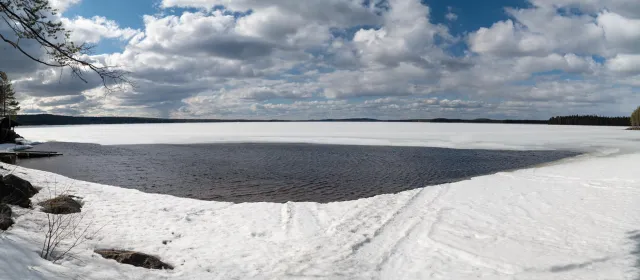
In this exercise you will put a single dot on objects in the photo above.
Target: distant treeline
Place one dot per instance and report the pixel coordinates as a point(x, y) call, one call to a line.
point(48, 119)
point(441, 120)
point(590, 120)
point(437, 120)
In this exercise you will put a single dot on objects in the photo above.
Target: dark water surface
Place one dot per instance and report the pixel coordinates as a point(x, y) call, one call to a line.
point(277, 172)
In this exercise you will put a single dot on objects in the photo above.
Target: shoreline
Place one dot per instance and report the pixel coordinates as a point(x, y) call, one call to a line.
point(279, 172)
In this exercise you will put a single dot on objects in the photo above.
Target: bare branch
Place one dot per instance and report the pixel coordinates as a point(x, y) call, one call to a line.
point(28, 20)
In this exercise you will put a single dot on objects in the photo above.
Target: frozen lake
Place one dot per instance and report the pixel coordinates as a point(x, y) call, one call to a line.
point(575, 219)
point(277, 172)
point(458, 136)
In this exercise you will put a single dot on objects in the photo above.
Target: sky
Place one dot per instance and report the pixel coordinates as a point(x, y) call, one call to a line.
point(386, 59)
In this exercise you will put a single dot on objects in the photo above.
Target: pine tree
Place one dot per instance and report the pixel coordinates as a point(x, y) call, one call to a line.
point(635, 117)
point(9, 106)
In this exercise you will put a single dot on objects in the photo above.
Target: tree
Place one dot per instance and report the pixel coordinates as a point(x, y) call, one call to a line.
point(31, 21)
point(590, 120)
point(9, 106)
point(635, 117)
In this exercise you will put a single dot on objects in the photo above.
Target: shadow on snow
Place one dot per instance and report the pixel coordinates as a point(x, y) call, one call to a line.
point(635, 237)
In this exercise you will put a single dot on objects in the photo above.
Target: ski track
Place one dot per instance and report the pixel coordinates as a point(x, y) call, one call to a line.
point(371, 244)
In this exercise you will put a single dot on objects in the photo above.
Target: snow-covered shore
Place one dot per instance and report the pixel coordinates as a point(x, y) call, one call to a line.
point(576, 219)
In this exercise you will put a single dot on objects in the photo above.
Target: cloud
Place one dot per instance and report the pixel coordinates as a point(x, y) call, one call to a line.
point(621, 34)
point(403, 80)
point(508, 38)
point(349, 58)
point(12, 61)
point(199, 34)
point(55, 82)
point(92, 30)
point(61, 100)
point(569, 63)
point(625, 63)
point(406, 36)
point(542, 30)
point(341, 13)
point(63, 5)
point(450, 16)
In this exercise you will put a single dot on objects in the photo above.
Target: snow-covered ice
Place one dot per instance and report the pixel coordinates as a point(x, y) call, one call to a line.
point(461, 136)
point(575, 219)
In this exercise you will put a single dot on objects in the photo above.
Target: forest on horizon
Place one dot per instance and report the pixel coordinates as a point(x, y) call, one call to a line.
point(49, 119)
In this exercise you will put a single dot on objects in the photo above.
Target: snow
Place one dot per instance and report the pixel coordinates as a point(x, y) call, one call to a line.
point(26, 142)
point(467, 136)
point(22, 144)
point(575, 219)
point(8, 147)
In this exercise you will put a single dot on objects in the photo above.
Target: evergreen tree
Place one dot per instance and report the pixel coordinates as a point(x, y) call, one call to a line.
point(9, 106)
point(635, 117)
point(590, 120)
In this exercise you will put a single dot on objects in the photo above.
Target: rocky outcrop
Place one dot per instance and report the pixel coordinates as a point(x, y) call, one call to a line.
point(134, 258)
point(8, 158)
point(63, 204)
point(8, 136)
point(5, 217)
point(16, 191)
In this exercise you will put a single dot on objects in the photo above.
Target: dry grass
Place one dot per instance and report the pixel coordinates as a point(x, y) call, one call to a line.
point(63, 232)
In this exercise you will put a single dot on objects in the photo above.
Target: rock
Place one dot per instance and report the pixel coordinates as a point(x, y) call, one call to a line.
point(5, 217)
point(8, 158)
point(134, 258)
point(8, 136)
point(63, 204)
point(16, 191)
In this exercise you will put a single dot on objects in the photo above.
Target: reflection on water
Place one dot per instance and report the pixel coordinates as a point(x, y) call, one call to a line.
point(277, 172)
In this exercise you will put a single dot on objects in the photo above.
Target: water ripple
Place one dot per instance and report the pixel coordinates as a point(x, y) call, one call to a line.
point(278, 172)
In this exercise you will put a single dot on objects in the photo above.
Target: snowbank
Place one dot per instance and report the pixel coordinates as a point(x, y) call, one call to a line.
point(14, 147)
point(26, 142)
point(22, 144)
point(573, 220)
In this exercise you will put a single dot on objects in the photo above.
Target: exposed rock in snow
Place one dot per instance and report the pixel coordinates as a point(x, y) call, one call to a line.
point(8, 158)
point(5, 217)
point(16, 191)
point(134, 258)
point(63, 204)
